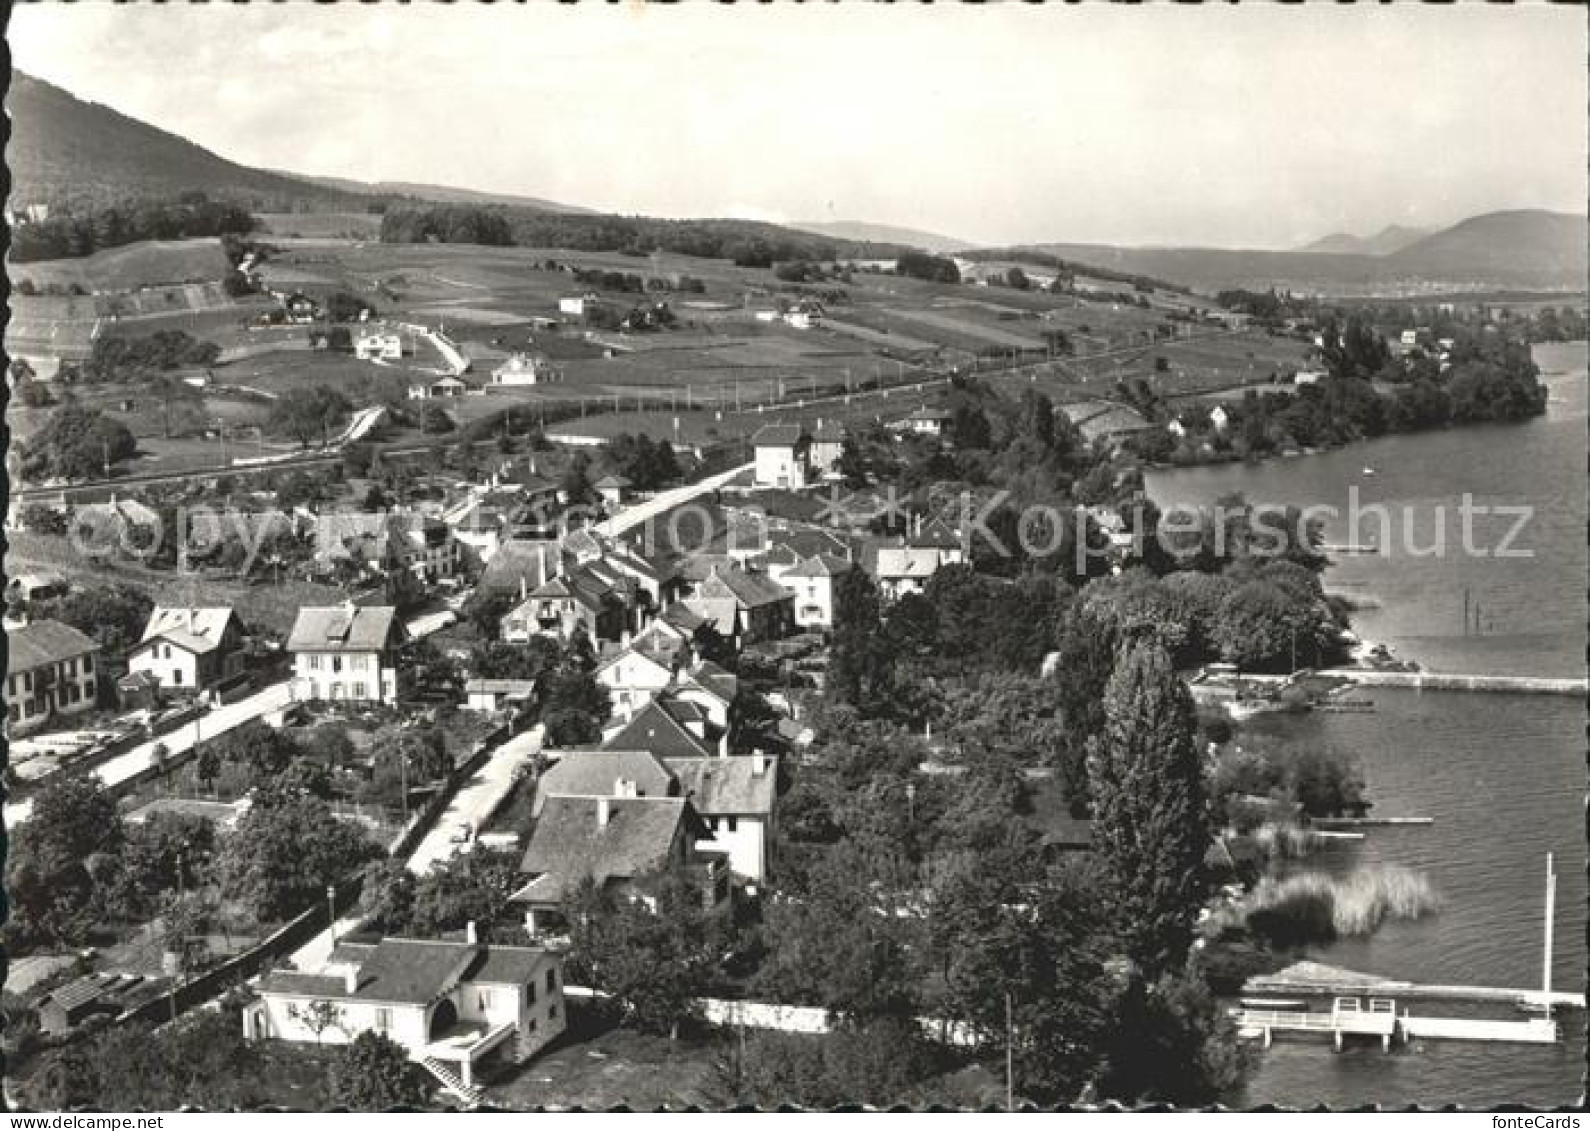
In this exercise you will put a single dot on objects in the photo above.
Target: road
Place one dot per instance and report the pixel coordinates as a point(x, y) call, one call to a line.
point(475, 802)
point(178, 743)
point(664, 501)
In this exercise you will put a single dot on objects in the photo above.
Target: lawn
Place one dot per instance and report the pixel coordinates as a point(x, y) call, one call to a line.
point(321, 225)
point(601, 1070)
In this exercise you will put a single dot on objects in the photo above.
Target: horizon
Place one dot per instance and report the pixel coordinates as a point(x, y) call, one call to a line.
point(1483, 123)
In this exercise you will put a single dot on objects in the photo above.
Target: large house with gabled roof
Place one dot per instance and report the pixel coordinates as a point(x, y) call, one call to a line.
point(453, 1006)
point(189, 649)
point(623, 844)
point(346, 652)
point(745, 608)
point(52, 670)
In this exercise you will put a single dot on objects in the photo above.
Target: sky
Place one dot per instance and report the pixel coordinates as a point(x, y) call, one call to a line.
point(1251, 126)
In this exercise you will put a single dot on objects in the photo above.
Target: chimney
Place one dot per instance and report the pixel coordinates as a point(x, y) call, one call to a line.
point(524, 588)
point(604, 812)
point(723, 745)
point(350, 980)
point(471, 936)
point(623, 787)
point(759, 762)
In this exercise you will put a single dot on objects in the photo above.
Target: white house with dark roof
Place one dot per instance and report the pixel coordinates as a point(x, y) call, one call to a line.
point(189, 649)
point(452, 1006)
point(346, 652)
point(813, 581)
point(613, 489)
point(781, 456)
point(736, 798)
point(634, 677)
point(52, 671)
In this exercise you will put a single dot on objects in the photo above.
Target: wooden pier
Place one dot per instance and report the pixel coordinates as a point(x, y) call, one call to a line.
point(1348, 1018)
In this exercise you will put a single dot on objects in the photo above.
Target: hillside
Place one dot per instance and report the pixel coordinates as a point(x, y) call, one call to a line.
point(68, 152)
point(1390, 239)
point(1524, 249)
point(443, 194)
point(1502, 244)
point(885, 233)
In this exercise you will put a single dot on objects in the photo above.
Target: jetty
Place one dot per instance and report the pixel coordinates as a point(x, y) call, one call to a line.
point(1316, 980)
point(1348, 1017)
point(1451, 681)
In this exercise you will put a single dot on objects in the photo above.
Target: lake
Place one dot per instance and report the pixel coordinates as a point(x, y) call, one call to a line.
point(1503, 776)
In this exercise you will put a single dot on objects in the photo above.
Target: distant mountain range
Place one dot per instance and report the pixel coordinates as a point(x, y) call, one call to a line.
point(885, 233)
point(1392, 238)
point(1526, 249)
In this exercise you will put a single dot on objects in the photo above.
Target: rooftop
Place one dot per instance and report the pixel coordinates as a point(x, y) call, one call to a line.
point(44, 642)
point(570, 842)
point(343, 628)
point(728, 786)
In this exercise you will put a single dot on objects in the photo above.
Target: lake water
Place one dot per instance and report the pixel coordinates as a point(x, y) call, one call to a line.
point(1503, 776)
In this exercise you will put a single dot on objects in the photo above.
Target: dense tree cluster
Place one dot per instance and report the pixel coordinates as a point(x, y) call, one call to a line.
point(310, 414)
point(70, 235)
point(647, 465)
point(921, 265)
point(119, 359)
point(745, 242)
point(76, 442)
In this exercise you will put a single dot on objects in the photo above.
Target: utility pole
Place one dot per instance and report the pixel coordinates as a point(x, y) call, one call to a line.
point(331, 896)
point(1010, 1056)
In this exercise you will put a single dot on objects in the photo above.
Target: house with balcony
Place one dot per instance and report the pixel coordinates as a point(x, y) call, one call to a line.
point(453, 1006)
point(346, 653)
point(190, 649)
point(52, 674)
point(582, 597)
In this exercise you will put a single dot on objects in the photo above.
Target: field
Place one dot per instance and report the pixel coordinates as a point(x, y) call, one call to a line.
point(135, 265)
point(320, 225)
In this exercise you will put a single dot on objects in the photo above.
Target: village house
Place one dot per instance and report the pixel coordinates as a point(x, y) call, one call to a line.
point(590, 596)
point(51, 673)
point(578, 306)
point(41, 586)
point(453, 1006)
point(623, 844)
point(781, 456)
point(743, 607)
point(906, 569)
point(523, 369)
point(613, 489)
point(378, 347)
point(668, 728)
point(633, 677)
point(925, 422)
point(387, 542)
point(189, 649)
point(736, 798)
point(301, 309)
point(346, 653)
point(493, 695)
point(441, 388)
point(827, 445)
point(813, 582)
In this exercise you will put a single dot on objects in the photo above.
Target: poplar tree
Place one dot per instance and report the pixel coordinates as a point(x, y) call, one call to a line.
point(1150, 810)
